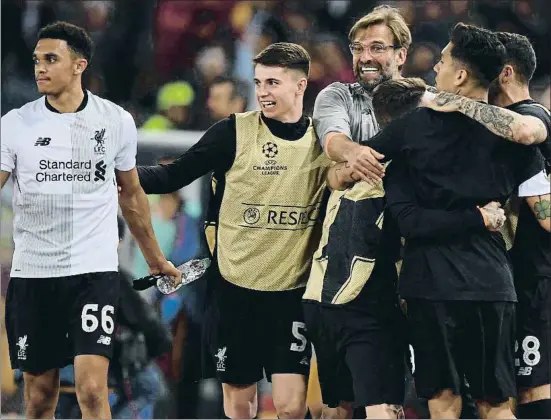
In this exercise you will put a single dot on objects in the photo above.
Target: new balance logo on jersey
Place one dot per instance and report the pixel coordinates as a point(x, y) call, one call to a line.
point(43, 141)
point(99, 174)
point(99, 138)
point(104, 340)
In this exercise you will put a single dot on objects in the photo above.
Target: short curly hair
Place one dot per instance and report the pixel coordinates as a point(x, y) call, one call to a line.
point(76, 37)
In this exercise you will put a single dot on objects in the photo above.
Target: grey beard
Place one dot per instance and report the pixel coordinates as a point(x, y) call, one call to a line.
point(372, 84)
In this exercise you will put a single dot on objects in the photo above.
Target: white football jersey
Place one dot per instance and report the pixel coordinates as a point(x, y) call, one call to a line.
point(537, 185)
point(65, 196)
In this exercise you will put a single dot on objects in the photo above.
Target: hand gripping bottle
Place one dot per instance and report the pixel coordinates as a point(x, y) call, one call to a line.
point(191, 271)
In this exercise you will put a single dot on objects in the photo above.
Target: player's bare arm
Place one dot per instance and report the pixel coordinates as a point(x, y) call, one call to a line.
point(523, 129)
point(136, 212)
point(362, 159)
point(338, 146)
point(4, 175)
point(341, 176)
point(332, 123)
point(541, 206)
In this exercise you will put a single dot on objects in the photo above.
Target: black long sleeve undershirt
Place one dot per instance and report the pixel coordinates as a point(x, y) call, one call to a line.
point(415, 222)
point(215, 151)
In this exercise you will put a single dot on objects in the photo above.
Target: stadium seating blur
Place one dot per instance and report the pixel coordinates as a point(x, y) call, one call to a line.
point(158, 58)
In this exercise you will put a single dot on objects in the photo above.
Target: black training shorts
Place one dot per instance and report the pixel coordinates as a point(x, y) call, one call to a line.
point(49, 321)
point(453, 340)
point(360, 353)
point(249, 333)
point(533, 345)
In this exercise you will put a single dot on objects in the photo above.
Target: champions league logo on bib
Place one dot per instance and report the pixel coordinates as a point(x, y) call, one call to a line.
point(270, 166)
point(270, 150)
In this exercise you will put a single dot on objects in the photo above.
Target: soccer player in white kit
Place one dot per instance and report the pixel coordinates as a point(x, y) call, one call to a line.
point(67, 151)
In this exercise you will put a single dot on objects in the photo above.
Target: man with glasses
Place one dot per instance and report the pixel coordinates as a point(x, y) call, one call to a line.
point(376, 50)
point(378, 43)
point(351, 308)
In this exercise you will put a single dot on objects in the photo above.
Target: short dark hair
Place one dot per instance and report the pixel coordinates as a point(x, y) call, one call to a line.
point(76, 37)
point(520, 54)
point(480, 50)
point(241, 89)
point(394, 98)
point(285, 54)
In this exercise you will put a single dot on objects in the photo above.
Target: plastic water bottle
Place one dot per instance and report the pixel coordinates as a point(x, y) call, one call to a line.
point(191, 271)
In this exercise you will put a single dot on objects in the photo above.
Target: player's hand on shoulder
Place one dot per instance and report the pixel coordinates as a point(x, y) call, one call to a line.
point(493, 215)
point(365, 164)
point(427, 100)
point(440, 101)
point(166, 267)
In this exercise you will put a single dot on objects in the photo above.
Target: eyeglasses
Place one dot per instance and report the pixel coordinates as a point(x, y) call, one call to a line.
point(374, 49)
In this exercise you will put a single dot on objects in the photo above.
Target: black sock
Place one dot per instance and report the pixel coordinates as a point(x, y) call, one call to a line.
point(535, 410)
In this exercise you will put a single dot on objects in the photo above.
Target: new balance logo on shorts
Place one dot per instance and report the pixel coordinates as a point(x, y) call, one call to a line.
point(524, 371)
point(104, 340)
point(99, 174)
point(43, 141)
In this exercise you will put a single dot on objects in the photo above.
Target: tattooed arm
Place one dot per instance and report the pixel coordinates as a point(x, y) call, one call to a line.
point(523, 129)
point(341, 176)
point(536, 192)
point(540, 205)
point(395, 411)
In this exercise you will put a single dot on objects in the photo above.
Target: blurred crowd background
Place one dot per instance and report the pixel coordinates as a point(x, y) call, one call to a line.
point(178, 66)
point(154, 56)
